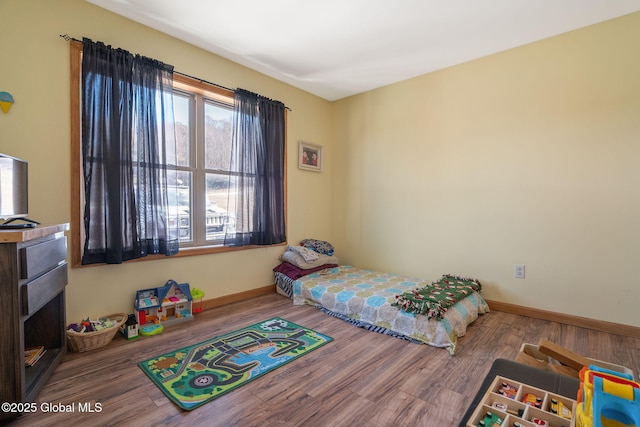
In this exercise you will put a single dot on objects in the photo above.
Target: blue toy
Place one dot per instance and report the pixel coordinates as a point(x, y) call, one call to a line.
point(608, 399)
point(151, 329)
point(165, 304)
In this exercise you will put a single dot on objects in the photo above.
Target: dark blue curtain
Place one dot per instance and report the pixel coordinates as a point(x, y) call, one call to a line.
point(257, 171)
point(128, 139)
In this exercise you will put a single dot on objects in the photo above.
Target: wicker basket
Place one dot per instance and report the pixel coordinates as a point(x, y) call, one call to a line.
point(85, 341)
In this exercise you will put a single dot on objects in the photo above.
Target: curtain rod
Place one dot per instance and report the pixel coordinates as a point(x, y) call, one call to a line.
point(68, 38)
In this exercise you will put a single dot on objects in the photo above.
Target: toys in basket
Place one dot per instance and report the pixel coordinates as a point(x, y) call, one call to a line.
point(91, 334)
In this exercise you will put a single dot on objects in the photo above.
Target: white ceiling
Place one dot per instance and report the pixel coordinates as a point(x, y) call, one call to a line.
point(337, 48)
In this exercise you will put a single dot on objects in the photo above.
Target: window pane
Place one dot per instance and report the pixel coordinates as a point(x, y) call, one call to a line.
point(219, 218)
point(180, 201)
point(217, 134)
point(181, 106)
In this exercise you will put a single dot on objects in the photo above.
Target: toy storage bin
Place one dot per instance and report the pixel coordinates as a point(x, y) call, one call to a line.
point(534, 351)
point(510, 408)
point(84, 341)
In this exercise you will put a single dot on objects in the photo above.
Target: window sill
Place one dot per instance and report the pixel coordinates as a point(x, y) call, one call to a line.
point(185, 252)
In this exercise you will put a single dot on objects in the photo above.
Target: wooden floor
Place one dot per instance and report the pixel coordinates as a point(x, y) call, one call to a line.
point(361, 378)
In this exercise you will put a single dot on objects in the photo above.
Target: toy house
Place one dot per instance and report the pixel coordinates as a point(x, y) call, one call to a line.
point(130, 328)
point(167, 304)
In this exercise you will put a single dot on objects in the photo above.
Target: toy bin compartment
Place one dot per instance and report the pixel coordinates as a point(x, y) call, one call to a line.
point(506, 399)
point(560, 406)
point(486, 412)
point(538, 417)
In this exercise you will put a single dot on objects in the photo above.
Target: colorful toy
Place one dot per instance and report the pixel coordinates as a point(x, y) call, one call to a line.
point(130, 328)
point(490, 419)
point(152, 329)
point(91, 325)
point(508, 390)
point(166, 304)
point(607, 399)
point(560, 409)
point(539, 422)
point(197, 296)
point(532, 400)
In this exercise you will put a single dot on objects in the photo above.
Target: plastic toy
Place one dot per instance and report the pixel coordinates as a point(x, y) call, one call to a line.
point(500, 406)
point(508, 390)
point(130, 328)
point(539, 422)
point(152, 329)
point(560, 409)
point(166, 304)
point(532, 400)
point(197, 296)
point(607, 399)
point(490, 419)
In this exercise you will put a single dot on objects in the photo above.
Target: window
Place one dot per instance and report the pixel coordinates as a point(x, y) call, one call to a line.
point(210, 216)
point(204, 124)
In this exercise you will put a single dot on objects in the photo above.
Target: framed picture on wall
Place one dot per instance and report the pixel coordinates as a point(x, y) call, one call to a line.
point(310, 156)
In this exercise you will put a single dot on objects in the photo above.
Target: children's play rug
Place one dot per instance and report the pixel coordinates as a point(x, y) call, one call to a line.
point(202, 372)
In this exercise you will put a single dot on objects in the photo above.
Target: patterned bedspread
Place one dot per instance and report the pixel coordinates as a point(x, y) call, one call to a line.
point(365, 298)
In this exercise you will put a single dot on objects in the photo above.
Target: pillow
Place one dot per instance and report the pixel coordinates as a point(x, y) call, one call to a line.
point(308, 254)
point(296, 259)
point(319, 246)
point(295, 272)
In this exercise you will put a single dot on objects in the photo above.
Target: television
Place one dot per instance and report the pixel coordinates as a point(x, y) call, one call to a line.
point(14, 197)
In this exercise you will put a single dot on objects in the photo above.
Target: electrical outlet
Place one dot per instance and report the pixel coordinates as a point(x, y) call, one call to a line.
point(518, 271)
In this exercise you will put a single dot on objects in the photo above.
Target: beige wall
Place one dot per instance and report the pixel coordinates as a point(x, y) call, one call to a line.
point(529, 156)
point(34, 68)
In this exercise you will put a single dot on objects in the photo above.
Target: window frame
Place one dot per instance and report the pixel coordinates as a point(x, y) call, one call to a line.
point(197, 165)
point(182, 83)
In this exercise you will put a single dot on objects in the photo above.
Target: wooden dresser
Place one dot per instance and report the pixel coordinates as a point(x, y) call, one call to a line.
point(33, 276)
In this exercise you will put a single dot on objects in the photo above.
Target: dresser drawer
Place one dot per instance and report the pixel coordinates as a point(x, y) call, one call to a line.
point(38, 292)
point(39, 258)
